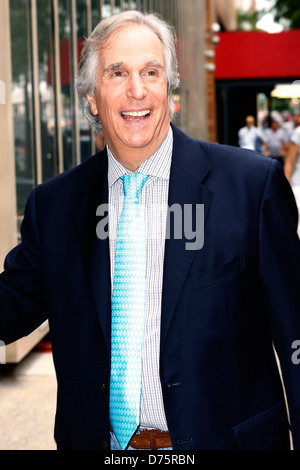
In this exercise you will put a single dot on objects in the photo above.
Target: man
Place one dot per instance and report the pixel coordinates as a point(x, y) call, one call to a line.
point(276, 140)
point(250, 136)
point(292, 166)
point(212, 310)
point(291, 125)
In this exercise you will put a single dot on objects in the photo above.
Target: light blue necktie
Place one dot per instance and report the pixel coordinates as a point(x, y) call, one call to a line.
point(128, 304)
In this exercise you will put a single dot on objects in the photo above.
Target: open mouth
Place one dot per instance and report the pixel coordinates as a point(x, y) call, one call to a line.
point(136, 115)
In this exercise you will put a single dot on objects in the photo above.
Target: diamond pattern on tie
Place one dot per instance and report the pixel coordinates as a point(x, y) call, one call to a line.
point(128, 304)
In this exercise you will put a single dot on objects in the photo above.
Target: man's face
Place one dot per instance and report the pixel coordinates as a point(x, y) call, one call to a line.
point(249, 122)
point(131, 94)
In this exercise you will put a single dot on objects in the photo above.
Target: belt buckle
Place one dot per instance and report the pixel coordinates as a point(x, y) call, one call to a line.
point(148, 439)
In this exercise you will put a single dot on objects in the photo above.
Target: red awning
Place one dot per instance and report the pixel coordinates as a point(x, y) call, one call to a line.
point(256, 54)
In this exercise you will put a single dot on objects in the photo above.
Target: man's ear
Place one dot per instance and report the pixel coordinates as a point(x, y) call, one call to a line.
point(93, 106)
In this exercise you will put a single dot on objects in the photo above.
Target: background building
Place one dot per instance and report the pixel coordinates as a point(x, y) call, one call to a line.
point(249, 67)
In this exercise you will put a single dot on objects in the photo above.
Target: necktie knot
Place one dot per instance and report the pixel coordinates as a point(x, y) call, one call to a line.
point(133, 184)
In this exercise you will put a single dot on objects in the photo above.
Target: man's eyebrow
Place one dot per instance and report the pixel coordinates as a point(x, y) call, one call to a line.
point(117, 65)
point(153, 63)
point(113, 67)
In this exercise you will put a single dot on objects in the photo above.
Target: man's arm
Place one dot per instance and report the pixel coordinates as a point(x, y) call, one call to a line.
point(21, 295)
point(280, 280)
point(290, 159)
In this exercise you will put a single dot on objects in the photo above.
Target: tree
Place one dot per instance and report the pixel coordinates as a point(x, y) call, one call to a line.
point(290, 10)
point(246, 20)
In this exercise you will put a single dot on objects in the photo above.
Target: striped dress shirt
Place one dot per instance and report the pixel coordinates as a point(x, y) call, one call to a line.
point(154, 200)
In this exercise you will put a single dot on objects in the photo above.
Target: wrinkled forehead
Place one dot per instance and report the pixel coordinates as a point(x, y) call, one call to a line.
point(132, 40)
point(136, 29)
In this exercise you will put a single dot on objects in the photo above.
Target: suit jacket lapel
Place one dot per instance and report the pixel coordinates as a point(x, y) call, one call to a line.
point(189, 168)
point(93, 191)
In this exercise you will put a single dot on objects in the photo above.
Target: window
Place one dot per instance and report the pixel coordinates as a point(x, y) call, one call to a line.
point(22, 101)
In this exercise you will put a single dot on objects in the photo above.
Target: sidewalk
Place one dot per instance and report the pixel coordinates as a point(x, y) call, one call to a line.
point(27, 403)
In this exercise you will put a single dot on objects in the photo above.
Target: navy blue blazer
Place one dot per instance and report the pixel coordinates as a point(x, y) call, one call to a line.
point(223, 306)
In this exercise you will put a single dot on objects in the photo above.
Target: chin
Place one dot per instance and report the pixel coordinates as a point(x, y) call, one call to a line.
point(138, 142)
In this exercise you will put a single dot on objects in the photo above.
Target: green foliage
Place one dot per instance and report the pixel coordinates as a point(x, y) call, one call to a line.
point(290, 10)
point(249, 18)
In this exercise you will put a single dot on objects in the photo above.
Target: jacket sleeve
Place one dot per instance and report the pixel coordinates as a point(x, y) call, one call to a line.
point(280, 279)
point(21, 295)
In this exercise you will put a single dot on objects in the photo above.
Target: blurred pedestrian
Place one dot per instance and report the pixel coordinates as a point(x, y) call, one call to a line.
point(250, 136)
point(292, 166)
point(275, 140)
point(290, 125)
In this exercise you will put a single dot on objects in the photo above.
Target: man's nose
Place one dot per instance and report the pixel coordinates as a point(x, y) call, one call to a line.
point(136, 87)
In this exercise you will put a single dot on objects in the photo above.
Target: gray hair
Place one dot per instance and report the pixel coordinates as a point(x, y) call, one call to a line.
point(85, 82)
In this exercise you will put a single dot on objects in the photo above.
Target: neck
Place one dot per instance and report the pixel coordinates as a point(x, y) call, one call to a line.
point(132, 158)
point(133, 161)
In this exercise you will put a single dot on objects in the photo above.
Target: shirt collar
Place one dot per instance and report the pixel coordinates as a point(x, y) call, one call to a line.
point(158, 165)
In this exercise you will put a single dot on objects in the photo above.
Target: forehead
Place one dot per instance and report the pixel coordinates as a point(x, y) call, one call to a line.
point(132, 44)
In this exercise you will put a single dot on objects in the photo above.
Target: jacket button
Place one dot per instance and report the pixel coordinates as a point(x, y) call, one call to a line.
point(103, 388)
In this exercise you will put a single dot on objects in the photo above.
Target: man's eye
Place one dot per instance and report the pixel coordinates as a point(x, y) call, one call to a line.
point(151, 73)
point(118, 73)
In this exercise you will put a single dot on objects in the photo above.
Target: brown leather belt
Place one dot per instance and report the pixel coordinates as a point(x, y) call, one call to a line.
point(150, 439)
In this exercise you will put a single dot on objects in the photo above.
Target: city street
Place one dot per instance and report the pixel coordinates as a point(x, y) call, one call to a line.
point(27, 403)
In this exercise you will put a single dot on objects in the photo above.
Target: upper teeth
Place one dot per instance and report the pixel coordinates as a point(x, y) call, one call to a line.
point(136, 113)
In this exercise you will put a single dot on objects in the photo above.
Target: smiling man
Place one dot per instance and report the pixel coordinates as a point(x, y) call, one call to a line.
point(157, 346)
point(131, 94)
